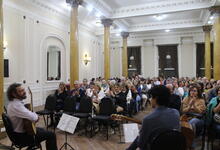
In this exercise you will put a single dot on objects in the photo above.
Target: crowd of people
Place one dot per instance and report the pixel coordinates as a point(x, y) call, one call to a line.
point(171, 98)
point(131, 95)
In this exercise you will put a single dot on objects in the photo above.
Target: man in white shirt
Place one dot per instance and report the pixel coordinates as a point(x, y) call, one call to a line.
point(17, 112)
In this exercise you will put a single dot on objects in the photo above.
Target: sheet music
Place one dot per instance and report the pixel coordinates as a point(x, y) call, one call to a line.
point(68, 123)
point(131, 131)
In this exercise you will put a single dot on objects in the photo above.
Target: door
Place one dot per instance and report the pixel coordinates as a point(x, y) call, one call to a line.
point(168, 61)
point(200, 59)
point(134, 61)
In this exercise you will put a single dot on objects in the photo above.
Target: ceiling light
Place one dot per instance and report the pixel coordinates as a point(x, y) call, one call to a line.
point(98, 14)
point(89, 8)
point(167, 30)
point(117, 34)
point(212, 17)
point(209, 22)
point(159, 17)
point(98, 23)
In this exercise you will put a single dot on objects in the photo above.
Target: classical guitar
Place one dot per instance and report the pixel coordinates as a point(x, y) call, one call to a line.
point(186, 128)
point(121, 117)
point(29, 126)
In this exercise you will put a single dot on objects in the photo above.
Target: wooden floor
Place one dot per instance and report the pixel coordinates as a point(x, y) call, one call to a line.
point(82, 142)
point(97, 142)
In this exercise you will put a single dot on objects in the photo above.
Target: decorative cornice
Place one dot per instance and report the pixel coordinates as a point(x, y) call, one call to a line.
point(49, 7)
point(161, 7)
point(166, 25)
point(101, 6)
point(147, 36)
point(207, 28)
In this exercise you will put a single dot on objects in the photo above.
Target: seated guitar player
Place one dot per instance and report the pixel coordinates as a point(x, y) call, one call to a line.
point(17, 112)
point(161, 117)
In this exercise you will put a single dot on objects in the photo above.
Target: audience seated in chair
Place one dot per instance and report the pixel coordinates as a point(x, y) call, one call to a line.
point(214, 121)
point(194, 103)
point(61, 93)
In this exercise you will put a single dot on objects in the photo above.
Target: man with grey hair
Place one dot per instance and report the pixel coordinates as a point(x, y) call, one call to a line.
point(175, 100)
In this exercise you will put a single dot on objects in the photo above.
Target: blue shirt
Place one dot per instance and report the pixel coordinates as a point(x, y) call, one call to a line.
point(161, 117)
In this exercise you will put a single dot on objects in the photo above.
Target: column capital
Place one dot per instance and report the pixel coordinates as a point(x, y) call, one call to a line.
point(207, 28)
point(125, 34)
point(107, 22)
point(215, 10)
point(74, 3)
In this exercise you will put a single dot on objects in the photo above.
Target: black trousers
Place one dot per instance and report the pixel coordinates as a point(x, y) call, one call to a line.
point(41, 135)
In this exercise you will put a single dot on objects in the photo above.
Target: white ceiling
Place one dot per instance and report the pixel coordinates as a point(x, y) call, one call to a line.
point(139, 15)
point(124, 3)
point(194, 14)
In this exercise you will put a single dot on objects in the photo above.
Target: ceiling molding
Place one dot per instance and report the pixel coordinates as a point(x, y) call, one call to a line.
point(161, 7)
point(166, 25)
point(106, 11)
point(49, 7)
point(160, 26)
point(205, 17)
point(101, 6)
point(163, 35)
point(64, 26)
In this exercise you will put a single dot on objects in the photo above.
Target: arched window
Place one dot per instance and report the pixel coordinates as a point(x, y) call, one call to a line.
point(53, 63)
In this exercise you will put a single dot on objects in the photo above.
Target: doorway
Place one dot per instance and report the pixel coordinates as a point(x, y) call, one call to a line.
point(168, 61)
point(134, 61)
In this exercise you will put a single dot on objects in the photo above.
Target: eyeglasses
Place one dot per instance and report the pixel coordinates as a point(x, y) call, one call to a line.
point(193, 90)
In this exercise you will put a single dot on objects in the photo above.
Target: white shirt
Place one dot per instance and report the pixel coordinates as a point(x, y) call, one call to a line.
point(181, 91)
point(129, 96)
point(17, 112)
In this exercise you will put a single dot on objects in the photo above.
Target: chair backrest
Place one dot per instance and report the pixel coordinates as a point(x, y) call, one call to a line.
point(167, 139)
point(50, 102)
point(69, 104)
point(107, 106)
point(8, 127)
point(85, 105)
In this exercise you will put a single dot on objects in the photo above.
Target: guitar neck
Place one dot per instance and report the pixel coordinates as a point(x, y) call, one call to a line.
point(31, 97)
point(132, 120)
point(121, 117)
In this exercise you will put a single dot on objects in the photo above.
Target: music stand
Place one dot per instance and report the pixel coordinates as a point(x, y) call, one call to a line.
point(65, 145)
point(68, 124)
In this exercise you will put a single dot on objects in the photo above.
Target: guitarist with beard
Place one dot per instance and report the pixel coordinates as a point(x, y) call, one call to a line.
point(161, 117)
point(17, 112)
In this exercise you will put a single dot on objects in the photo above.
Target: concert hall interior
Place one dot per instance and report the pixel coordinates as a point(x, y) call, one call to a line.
point(110, 74)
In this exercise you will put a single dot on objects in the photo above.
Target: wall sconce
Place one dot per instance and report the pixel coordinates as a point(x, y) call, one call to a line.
point(5, 44)
point(86, 59)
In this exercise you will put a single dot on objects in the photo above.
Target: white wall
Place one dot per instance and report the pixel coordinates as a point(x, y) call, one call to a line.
point(116, 59)
point(28, 39)
point(187, 57)
point(148, 58)
point(186, 51)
